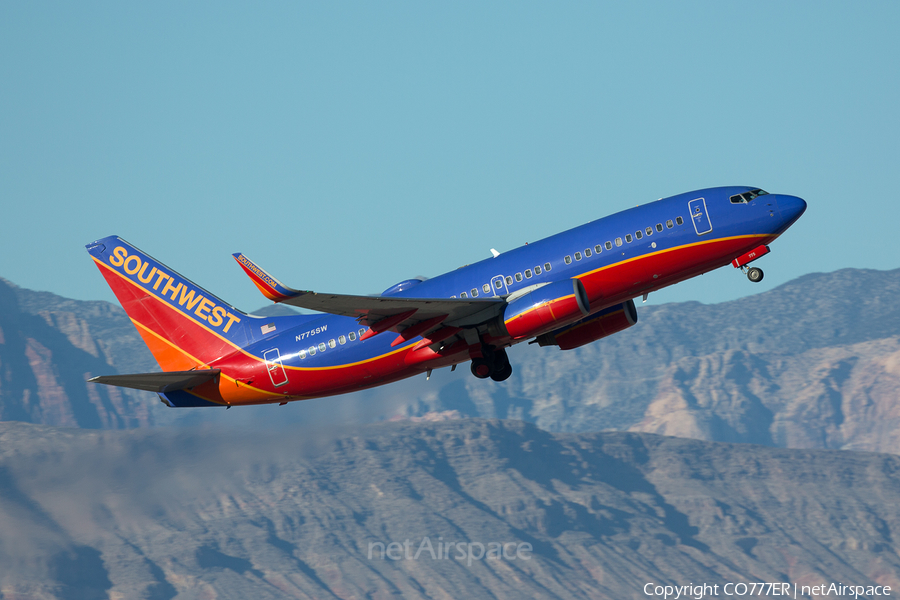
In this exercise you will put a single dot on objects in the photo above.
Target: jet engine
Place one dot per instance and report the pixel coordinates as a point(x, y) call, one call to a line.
point(545, 308)
point(607, 322)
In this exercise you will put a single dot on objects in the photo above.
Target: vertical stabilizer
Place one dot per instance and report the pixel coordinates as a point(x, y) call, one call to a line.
point(184, 326)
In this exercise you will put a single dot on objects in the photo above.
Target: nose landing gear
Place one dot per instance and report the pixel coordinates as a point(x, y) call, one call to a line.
point(755, 274)
point(494, 364)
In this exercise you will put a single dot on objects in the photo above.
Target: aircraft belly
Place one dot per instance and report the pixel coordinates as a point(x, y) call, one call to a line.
point(632, 277)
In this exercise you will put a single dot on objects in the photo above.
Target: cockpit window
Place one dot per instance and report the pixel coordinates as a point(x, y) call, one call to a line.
point(747, 196)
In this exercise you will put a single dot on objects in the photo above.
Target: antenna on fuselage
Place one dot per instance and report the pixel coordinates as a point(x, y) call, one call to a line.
point(495, 253)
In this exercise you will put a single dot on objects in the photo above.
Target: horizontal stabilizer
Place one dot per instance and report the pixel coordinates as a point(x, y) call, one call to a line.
point(169, 381)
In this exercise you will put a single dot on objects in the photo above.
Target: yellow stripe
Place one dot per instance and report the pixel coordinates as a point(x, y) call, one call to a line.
point(168, 305)
point(353, 364)
point(658, 252)
point(541, 305)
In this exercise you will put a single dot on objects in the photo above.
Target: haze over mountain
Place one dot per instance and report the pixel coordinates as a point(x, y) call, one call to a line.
point(814, 363)
point(304, 514)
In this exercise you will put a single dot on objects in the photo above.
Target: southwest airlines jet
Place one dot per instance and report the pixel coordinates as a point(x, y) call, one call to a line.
point(566, 290)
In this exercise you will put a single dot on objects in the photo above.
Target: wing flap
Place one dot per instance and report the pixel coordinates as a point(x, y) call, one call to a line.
point(159, 382)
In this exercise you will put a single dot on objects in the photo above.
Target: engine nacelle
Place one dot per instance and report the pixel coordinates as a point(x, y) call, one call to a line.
point(607, 322)
point(546, 308)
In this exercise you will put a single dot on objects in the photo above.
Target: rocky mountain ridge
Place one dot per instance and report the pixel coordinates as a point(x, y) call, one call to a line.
point(814, 363)
point(218, 514)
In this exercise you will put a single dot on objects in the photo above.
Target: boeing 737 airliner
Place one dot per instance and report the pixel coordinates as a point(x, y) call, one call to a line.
point(566, 290)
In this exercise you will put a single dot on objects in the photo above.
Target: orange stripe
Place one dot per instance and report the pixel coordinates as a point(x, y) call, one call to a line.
point(199, 363)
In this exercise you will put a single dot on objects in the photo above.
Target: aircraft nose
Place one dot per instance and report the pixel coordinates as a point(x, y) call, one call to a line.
point(791, 207)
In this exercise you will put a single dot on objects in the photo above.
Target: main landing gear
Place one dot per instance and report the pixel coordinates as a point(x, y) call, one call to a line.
point(494, 364)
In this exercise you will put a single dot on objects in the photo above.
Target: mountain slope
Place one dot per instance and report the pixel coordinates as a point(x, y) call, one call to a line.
point(47, 352)
point(302, 514)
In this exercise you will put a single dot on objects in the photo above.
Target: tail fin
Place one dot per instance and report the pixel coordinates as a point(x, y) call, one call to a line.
point(184, 326)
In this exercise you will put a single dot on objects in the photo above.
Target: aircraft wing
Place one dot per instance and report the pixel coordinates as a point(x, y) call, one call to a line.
point(380, 313)
point(371, 309)
point(159, 382)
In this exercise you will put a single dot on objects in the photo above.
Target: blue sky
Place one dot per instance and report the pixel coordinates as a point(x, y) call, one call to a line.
point(346, 146)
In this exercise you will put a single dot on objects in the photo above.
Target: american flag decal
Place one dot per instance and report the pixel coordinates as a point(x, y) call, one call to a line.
point(268, 328)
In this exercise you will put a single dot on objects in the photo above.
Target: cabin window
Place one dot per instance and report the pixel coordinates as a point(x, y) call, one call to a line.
point(609, 245)
point(321, 346)
point(628, 237)
point(509, 280)
point(474, 292)
point(518, 277)
point(342, 340)
point(498, 283)
point(487, 288)
point(302, 354)
point(537, 270)
point(598, 248)
point(361, 332)
point(464, 295)
point(618, 241)
point(587, 252)
point(649, 231)
point(546, 266)
point(669, 224)
point(568, 260)
point(578, 256)
point(679, 220)
point(527, 273)
point(638, 234)
point(332, 343)
point(312, 350)
point(352, 336)
point(659, 226)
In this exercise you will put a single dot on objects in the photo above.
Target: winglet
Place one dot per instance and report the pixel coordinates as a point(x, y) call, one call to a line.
point(270, 287)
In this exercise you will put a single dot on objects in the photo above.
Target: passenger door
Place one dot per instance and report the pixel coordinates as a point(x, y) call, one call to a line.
point(699, 216)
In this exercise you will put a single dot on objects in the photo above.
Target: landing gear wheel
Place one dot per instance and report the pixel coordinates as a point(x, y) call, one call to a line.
point(502, 372)
point(755, 275)
point(481, 368)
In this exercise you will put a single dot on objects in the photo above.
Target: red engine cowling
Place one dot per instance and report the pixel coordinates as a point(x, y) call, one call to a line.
point(607, 322)
point(546, 308)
